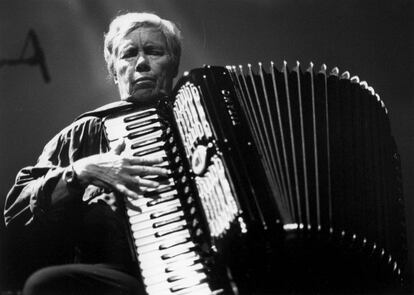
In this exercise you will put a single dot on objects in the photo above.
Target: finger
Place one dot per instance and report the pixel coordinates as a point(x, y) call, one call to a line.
point(146, 160)
point(160, 178)
point(132, 206)
point(101, 184)
point(147, 170)
point(146, 183)
point(119, 147)
point(124, 190)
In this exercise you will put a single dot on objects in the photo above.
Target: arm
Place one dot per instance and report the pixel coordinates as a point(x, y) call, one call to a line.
point(45, 193)
point(40, 193)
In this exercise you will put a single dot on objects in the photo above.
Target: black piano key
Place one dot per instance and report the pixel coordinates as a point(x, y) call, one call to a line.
point(136, 125)
point(180, 288)
point(148, 152)
point(179, 252)
point(144, 143)
point(170, 244)
point(154, 193)
point(161, 200)
point(168, 232)
point(168, 221)
point(139, 115)
point(166, 212)
point(142, 132)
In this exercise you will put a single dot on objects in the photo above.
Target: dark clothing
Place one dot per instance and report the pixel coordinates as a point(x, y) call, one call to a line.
point(81, 279)
point(85, 225)
point(28, 202)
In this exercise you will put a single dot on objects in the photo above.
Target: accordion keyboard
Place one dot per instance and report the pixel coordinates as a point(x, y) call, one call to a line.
point(163, 223)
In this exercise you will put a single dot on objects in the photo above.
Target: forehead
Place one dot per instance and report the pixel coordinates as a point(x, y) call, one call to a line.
point(142, 36)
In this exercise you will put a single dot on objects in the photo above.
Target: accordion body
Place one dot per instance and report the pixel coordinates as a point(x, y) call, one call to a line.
point(281, 181)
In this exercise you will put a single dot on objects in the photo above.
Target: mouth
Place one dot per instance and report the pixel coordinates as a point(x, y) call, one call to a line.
point(144, 82)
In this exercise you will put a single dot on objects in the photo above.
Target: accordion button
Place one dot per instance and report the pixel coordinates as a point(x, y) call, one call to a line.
point(199, 160)
point(186, 189)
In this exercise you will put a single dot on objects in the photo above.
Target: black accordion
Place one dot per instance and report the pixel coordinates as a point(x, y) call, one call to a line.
point(282, 181)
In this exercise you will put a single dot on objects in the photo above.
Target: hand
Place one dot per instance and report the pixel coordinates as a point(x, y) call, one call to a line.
point(120, 173)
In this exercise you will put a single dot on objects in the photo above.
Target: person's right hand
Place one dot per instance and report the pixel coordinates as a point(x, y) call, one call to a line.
point(117, 172)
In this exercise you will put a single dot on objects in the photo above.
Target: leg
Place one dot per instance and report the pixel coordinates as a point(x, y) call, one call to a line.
point(81, 279)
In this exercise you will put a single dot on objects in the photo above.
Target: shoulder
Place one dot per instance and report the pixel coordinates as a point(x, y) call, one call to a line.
point(83, 136)
point(64, 145)
point(93, 119)
point(106, 110)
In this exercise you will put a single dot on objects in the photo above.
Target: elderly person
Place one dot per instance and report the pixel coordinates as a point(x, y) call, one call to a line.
point(68, 203)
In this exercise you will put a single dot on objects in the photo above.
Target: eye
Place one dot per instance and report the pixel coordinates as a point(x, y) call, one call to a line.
point(129, 52)
point(154, 50)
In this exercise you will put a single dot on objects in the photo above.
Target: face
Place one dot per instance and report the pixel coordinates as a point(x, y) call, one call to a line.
point(144, 69)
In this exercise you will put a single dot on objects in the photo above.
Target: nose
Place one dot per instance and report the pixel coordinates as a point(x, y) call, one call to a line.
point(142, 64)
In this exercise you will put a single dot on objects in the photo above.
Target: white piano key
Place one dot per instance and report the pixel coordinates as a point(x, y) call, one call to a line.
point(149, 267)
point(197, 272)
point(153, 278)
point(148, 197)
point(158, 244)
point(148, 233)
point(183, 258)
point(168, 229)
point(159, 289)
point(159, 144)
point(172, 217)
point(158, 154)
point(159, 209)
point(144, 213)
point(179, 264)
point(161, 231)
point(146, 241)
point(201, 289)
point(185, 272)
point(164, 194)
point(179, 274)
point(187, 261)
point(152, 258)
point(167, 219)
point(161, 187)
point(157, 134)
point(145, 140)
point(186, 283)
point(159, 195)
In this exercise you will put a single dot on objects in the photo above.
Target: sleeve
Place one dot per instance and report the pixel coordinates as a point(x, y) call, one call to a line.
point(29, 200)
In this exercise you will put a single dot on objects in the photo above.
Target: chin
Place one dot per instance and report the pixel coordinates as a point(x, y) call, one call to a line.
point(144, 96)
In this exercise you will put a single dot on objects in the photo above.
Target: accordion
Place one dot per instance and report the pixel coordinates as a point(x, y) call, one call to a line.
point(281, 181)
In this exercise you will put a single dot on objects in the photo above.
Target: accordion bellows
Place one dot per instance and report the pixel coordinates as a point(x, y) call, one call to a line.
point(284, 181)
point(326, 146)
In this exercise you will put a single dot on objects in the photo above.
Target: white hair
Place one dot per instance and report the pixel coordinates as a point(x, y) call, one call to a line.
point(124, 24)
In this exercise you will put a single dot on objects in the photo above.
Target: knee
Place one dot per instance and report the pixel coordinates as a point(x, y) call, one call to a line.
point(41, 282)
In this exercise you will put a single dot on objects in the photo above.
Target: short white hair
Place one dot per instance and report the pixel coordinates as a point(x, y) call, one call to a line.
point(125, 23)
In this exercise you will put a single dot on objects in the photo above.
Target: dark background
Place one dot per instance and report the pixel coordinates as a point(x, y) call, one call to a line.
point(371, 39)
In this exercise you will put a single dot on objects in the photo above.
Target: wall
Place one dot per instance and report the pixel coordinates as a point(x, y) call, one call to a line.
point(370, 38)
